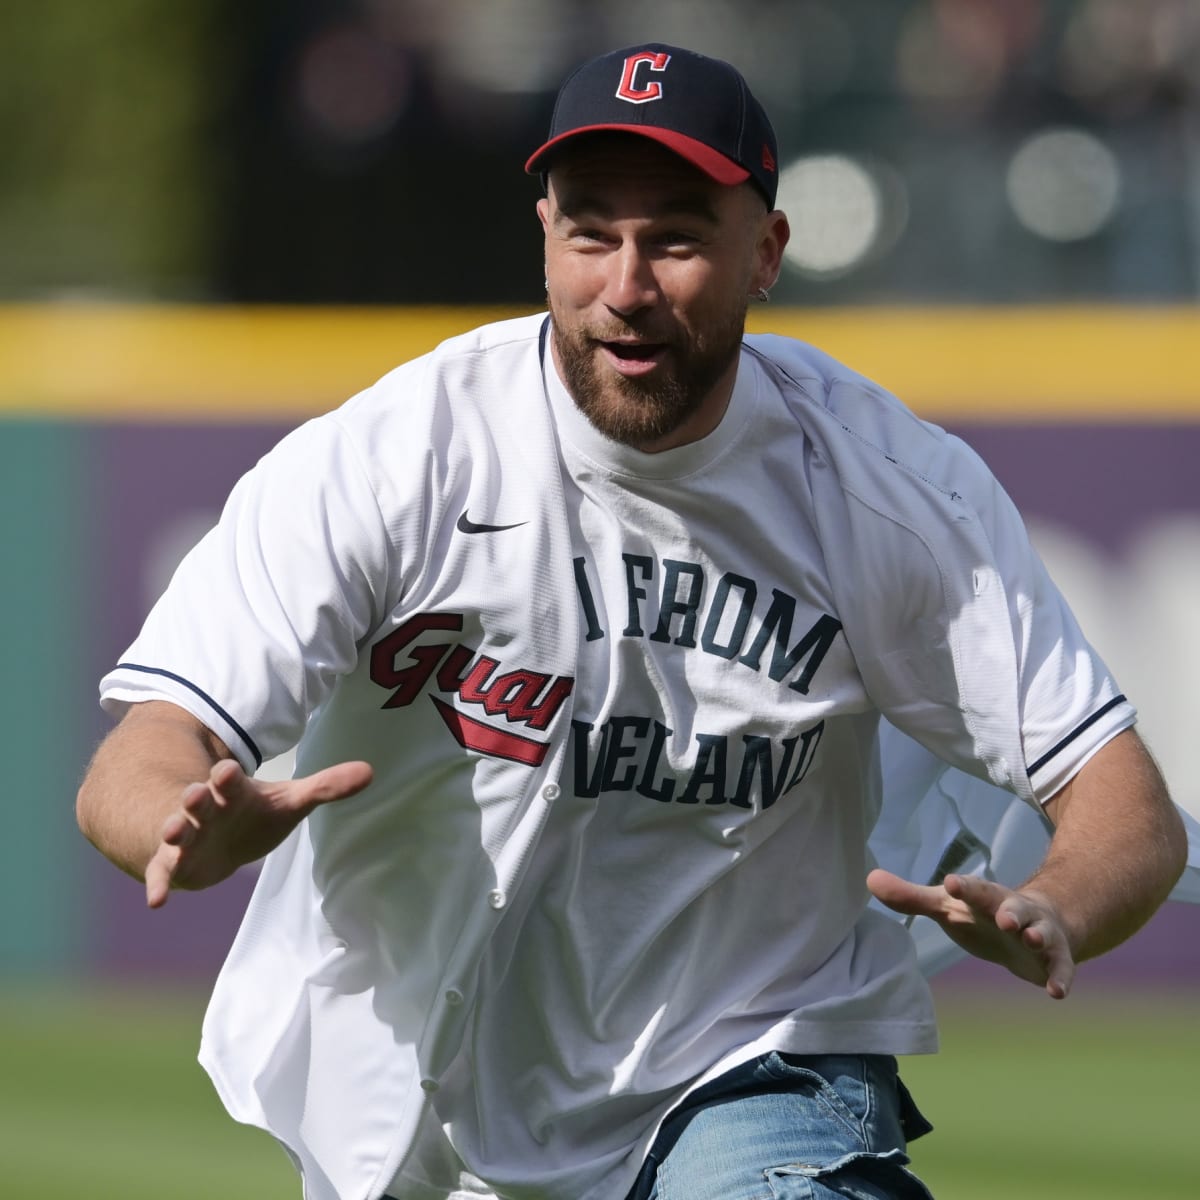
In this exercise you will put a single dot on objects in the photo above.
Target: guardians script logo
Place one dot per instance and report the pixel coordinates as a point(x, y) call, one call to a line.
point(521, 697)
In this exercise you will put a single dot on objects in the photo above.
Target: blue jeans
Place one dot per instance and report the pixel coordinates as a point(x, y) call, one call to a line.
point(790, 1127)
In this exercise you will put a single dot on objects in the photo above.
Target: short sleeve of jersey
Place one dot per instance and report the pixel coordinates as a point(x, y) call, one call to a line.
point(266, 612)
point(1070, 704)
point(962, 639)
point(1026, 666)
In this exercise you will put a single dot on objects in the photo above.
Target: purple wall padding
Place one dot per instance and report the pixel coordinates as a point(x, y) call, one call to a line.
point(1103, 482)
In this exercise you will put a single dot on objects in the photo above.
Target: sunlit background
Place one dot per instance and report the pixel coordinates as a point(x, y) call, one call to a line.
point(980, 150)
point(218, 217)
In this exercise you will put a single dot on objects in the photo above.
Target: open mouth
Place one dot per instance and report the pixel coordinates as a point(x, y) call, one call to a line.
point(634, 357)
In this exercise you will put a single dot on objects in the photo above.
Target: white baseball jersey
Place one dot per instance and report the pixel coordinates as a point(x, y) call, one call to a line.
point(623, 711)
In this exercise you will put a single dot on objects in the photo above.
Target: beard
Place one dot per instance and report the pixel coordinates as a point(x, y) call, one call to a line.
point(639, 411)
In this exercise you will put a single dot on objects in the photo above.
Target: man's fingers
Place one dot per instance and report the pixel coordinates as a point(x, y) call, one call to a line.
point(1047, 939)
point(230, 787)
point(179, 830)
point(1019, 929)
point(197, 803)
point(232, 818)
point(1035, 936)
point(197, 807)
point(1059, 962)
point(1061, 976)
point(159, 872)
point(333, 783)
point(903, 896)
point(981, 895)
point(1022, 914)
point(1036, 925)
point(228, 782)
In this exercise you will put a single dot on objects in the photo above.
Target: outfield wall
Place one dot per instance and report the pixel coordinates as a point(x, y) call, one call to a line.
point(121, 430)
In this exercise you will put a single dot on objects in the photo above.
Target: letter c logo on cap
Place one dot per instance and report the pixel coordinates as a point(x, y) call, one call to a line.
point(629, 90)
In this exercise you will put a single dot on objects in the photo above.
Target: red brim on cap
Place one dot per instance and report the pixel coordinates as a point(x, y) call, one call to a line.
point(715, 166)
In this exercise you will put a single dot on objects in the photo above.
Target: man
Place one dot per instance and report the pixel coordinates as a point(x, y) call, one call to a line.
point(585, 627)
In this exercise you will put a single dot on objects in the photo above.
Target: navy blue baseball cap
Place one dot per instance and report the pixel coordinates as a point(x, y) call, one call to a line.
point(699, 107)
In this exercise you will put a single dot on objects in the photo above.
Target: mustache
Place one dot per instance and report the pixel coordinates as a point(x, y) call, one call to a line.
point(616, 331)
point(647, 328)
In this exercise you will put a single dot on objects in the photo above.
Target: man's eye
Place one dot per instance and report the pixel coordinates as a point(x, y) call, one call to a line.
point(678, 237)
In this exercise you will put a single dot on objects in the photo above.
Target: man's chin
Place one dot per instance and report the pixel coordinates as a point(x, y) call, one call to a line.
point(635, 416)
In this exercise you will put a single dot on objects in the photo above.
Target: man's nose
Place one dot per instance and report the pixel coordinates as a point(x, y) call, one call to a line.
point(631, 284)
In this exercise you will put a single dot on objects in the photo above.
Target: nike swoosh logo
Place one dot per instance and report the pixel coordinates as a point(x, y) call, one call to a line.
point(466, 525)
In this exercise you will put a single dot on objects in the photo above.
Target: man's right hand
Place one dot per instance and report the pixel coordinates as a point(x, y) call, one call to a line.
point(231, 819)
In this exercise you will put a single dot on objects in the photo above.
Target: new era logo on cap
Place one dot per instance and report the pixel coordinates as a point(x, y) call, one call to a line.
point(699, 107)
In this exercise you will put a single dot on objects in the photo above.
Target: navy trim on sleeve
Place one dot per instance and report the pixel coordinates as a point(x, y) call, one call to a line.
point(1041, 762)
point(254, 750)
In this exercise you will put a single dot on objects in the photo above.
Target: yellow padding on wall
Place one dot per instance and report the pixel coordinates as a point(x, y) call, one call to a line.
point(228, 363)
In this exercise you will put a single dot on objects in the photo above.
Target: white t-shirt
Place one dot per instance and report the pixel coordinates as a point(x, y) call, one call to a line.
point(625, 752)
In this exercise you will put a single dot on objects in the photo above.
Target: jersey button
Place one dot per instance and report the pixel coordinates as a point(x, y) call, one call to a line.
point(551, 791)
point(429, 1085)
point(454, 997)
point(496, 898)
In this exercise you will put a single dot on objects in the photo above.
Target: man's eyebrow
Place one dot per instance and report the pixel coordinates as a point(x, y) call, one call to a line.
point(576, 204)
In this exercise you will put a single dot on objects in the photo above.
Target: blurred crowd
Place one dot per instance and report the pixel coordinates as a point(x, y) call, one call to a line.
point(371, 150)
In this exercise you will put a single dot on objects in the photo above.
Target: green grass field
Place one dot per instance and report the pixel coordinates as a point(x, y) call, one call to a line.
point(1096, 1098)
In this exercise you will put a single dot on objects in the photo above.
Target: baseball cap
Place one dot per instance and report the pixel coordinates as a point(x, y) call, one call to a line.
point(699, 107)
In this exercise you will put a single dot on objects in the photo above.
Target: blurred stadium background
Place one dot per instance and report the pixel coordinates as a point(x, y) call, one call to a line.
point(219, 217)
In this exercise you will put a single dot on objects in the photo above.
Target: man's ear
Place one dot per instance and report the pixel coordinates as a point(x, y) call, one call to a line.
point(773, 238)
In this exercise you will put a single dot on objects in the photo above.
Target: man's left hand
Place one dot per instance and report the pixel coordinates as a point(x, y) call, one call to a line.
point(1021, 930)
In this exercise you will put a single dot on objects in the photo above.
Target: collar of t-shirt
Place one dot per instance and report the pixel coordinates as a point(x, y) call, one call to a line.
point(616, 457)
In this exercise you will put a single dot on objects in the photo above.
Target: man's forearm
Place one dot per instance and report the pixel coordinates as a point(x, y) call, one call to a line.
point(136, 777)
point(1118, 849)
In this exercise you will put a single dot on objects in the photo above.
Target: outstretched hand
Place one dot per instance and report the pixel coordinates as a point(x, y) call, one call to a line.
point(231, 819)
point(1021, 930)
